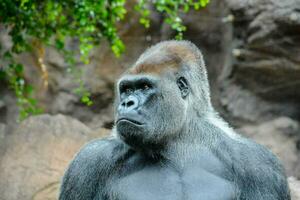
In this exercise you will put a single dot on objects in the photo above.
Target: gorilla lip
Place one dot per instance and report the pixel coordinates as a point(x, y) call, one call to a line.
point(130, 120)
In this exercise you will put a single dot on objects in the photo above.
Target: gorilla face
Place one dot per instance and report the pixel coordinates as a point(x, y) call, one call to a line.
point(150, 108)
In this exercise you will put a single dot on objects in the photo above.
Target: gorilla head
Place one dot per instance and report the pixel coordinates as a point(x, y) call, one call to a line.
point(158, 96)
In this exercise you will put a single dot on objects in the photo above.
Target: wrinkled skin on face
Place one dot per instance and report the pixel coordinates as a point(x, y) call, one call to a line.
point(144, 102)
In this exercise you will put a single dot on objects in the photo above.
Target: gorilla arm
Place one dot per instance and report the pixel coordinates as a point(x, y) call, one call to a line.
point(256, 172)
point(86, 176)
point(259, 173)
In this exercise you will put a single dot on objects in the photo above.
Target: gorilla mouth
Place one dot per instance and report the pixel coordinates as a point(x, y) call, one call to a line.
point(130, 121)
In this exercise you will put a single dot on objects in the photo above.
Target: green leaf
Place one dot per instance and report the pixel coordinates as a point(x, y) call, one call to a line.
point(59, 44)
point(2, 74)
point(19, 68)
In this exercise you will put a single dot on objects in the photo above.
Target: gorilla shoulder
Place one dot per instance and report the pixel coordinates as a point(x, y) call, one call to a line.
point(89, 168)
point(255, 166)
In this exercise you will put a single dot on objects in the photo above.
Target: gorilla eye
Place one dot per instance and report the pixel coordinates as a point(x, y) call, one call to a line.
point(183, 86)
point(146, 86)
point(128, 90)
point(125, 89)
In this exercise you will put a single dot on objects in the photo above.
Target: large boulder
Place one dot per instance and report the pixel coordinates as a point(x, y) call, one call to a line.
point(37, 153)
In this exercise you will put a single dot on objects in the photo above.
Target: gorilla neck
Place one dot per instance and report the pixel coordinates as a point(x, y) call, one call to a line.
point(193, 134)
point(150, 147)
point(198, 135)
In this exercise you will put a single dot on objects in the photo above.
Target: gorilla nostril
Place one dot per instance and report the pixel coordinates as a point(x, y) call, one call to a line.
point(130, 103)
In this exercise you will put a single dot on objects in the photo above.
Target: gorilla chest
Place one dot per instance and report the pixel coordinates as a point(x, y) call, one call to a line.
point(165, 183)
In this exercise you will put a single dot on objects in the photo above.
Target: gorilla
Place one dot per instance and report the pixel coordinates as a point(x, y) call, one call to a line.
point(168, 142)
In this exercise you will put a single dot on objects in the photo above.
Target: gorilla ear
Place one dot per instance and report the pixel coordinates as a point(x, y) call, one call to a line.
point(183, 86)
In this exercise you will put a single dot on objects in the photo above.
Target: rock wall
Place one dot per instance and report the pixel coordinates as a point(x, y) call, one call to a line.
point(252, 52)
point(263, 80)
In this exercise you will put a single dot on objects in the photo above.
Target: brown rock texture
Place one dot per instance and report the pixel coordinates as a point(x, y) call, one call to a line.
point(263, 78)
point(37, 153)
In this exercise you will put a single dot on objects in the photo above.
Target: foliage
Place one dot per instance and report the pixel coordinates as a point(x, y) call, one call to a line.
point(51, 22)
point(23, 91)
point(172, 10)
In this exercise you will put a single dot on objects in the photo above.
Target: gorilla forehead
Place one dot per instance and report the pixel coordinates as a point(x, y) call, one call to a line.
point(163, 56)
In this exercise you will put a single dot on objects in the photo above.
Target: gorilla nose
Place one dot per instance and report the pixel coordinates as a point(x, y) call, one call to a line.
point(129, 103)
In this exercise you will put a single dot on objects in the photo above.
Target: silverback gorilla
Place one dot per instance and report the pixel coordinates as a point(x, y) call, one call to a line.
point(168, 142)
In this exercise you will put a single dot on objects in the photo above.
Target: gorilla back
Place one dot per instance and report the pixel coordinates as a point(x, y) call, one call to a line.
point(169, 143)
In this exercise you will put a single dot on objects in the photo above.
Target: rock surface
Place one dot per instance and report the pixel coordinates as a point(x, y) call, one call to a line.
point(37, 153)
point(265, 62)
point(252, 52)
